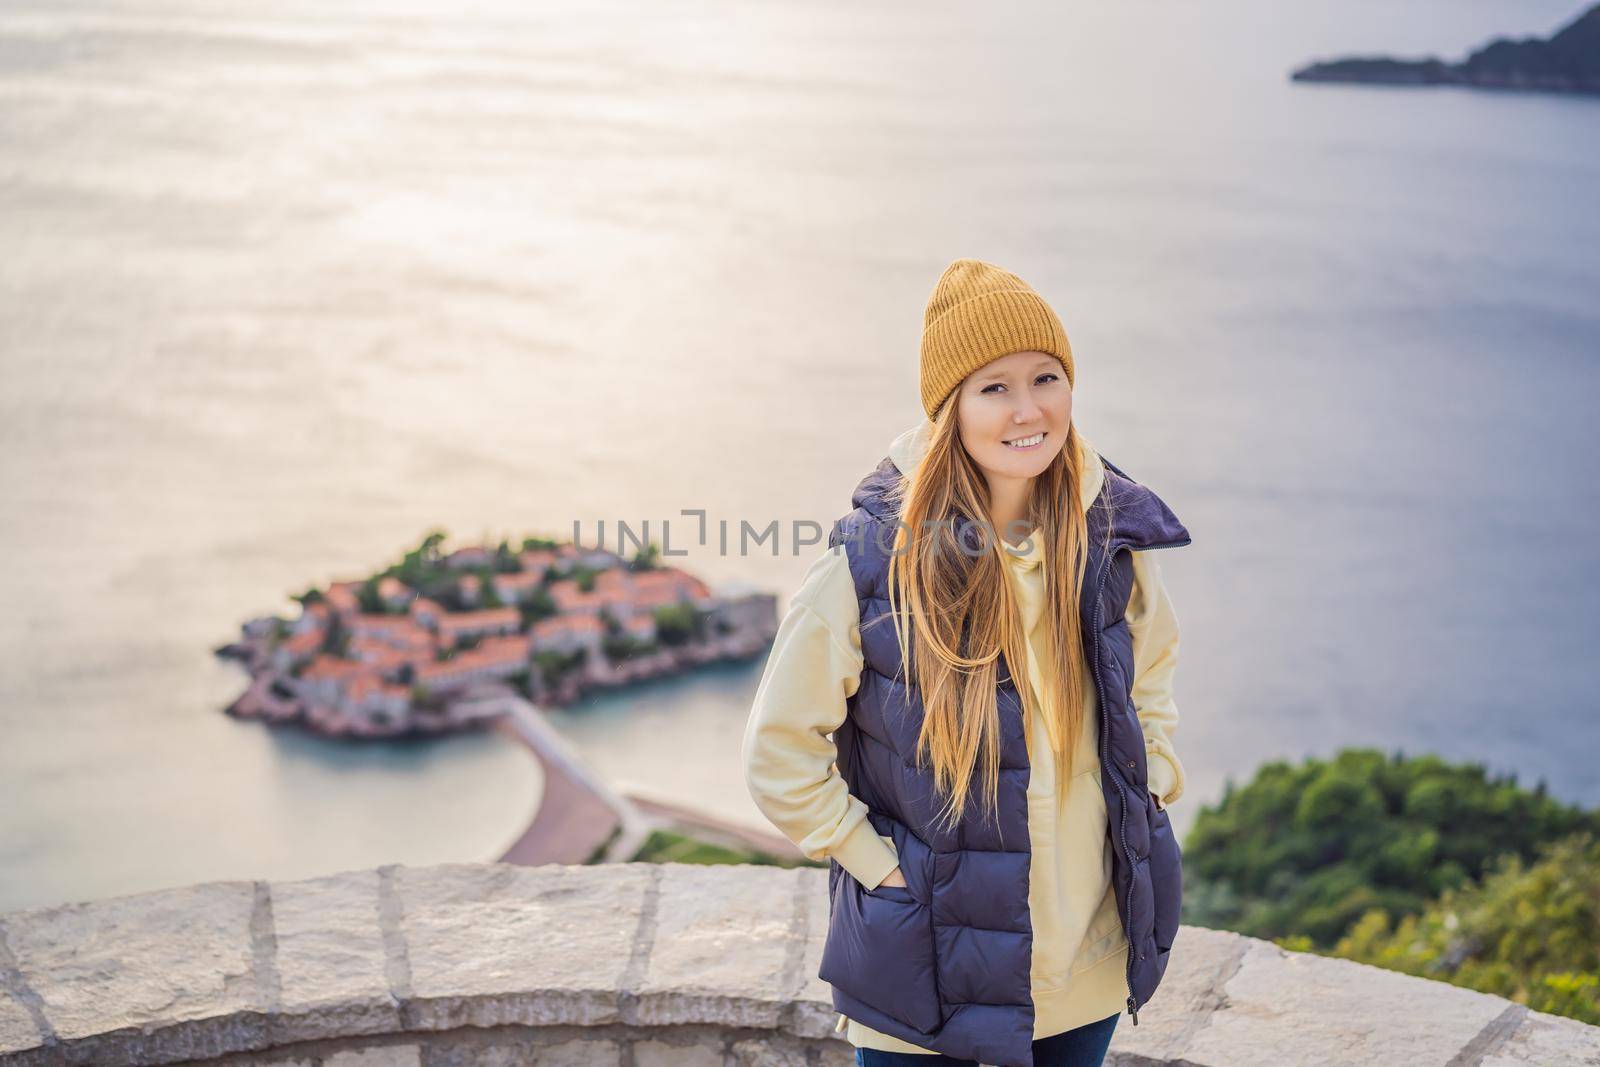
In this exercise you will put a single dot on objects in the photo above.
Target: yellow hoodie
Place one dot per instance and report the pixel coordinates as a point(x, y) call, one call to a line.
point(1079, 947)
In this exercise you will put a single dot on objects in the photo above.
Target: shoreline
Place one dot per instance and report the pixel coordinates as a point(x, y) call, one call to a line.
point(580, 816)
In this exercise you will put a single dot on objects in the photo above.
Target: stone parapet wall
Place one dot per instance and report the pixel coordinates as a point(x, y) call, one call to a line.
point(634, 964)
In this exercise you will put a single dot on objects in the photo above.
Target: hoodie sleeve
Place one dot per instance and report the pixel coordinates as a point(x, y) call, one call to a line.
point(813, 668)
point(1154, 626)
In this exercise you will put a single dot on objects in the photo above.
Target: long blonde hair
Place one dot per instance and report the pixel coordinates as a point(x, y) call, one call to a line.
point(945, 589)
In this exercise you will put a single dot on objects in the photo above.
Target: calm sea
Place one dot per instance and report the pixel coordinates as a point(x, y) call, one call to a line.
point(281, 292)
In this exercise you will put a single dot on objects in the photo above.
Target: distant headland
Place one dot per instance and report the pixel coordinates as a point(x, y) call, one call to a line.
point(425, 645)
point(1567, 62)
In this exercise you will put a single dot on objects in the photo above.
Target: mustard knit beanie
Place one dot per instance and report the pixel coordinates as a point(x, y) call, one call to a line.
point(977, 314)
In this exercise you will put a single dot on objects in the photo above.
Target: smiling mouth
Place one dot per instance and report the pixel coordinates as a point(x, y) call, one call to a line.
point(1023, 444)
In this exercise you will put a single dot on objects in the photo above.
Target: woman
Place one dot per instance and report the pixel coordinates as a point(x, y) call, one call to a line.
point(1003, 878)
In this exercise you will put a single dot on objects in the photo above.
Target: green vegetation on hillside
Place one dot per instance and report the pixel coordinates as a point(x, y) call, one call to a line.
point(1417, 864)
point(1530, 932)
point(668, 846)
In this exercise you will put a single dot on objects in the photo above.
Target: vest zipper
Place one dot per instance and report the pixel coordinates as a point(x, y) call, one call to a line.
point(1105, 763)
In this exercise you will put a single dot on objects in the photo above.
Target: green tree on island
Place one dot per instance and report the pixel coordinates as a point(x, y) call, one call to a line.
point(506, 559)
point(488, 597)
point(678, 624)
point(537, 606)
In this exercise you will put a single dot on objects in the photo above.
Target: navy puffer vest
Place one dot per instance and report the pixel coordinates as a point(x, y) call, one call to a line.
point(945, 961)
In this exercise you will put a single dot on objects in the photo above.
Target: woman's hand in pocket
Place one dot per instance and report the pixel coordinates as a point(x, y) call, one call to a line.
point(894, 877)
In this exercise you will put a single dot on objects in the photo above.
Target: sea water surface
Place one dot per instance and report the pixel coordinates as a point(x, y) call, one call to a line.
point(283, 290)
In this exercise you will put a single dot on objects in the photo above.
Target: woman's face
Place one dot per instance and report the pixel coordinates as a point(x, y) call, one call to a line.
point(1013, 414)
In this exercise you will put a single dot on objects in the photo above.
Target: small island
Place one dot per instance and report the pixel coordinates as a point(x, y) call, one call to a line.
point(1567, 62)
point(424, 646)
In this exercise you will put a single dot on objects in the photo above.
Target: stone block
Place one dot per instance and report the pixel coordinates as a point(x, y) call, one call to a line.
point(662, 1054)
point(724, 948)
point(1541, 1040)
point(171, 974)
point(1288, 1009)
point(580, 1054)
point(497, 944)
point(330, 955)
point(376, 1056)
point(1201, 961)
point(770, 1053)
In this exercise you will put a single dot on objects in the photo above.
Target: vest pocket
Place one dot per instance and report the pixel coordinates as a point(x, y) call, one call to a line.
point(897, 893)
point(879, 950)
point(1166, 877)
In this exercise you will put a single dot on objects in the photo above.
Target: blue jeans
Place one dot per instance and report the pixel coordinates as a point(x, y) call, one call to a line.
point(1084, 1046)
